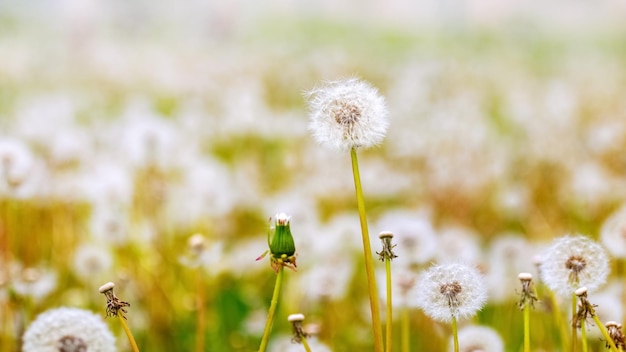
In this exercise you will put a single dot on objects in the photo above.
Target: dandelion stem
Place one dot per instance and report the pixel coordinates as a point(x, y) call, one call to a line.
point(455, 334)
point(273, 305)
point(389, 326)
point(201, 312)
point(305, 344)
point(605, 333)
point(406, 337)
point(574, 329)
point(583, 335)
point(526, 327)
point(131, 339)
point(367, 252)
point(559, 321)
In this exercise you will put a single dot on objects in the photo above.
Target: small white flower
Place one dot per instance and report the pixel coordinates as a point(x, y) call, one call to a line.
point(572, 262)
point(451, 290)
point(348, 114)
point(68, 329)
point(475, 338)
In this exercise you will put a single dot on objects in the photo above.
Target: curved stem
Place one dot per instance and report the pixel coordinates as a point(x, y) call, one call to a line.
point(605, 333)
point(455, 334)
point(367, 252)
point(389, 318)
point(526, 327)
point(270, 315)
point(131, 339)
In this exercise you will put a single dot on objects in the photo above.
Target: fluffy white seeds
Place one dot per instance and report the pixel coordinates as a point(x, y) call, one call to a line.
point(451, 290)
point(572, 262)
point(68, 329)
point(613, 233)
point(347, 114)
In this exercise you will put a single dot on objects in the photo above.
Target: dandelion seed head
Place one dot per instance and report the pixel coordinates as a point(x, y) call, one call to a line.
point(613, 233)
point(347, 114)
point(474, 338)
point(574, 261)
point(451, 290)
point(68, 330)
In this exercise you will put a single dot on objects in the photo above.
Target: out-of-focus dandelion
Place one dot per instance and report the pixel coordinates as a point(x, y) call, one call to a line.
point(35, 283)
point(451, 291)
point(574, 261)
point(613, 233)
point(117, 308)
point(91, 261)
point(474, 338)
point(347, 115)
point(68, 330)
point(415, 235)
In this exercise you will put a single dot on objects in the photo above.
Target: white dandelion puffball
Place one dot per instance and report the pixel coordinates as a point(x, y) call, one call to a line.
point(451, 290)
point(68, 329)
point(613, 233)
point(347, 114)
point(475, 338)
point(572, 262)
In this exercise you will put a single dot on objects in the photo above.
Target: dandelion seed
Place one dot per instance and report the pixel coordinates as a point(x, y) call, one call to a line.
point(572, 262)
point(68, 330)
point(347, 114)
point(451, 291)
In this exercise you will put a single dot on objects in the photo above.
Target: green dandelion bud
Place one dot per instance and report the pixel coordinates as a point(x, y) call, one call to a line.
point(281, 245)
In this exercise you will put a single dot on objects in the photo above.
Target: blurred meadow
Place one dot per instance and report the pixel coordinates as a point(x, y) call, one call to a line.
point(128, 127)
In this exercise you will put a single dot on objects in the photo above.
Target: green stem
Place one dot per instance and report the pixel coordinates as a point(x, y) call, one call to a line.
point(201, 311)
point(583, 335)
point(605, 333)
point(455, 334)
point(367, 252)
point(526, 327)
point(558, 320)
point(388, 317)
point(270, 315)
point(131, 339)
point(406, 336)
point(574, 329)
point(305, 344)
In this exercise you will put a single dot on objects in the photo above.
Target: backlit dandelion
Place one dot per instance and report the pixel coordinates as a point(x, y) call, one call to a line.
point(479, 338)
point(451, 291)
point(613, 233)
point(572, 262)
point(68, 330)
point(347, 114)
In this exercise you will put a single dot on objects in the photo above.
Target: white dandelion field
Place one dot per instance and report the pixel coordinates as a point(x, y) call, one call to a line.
point(154, 146)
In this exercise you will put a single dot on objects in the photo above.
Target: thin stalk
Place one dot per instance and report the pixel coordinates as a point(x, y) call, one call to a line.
point(455, 334)
point(559, 321)
point(583, 335)
point(131, 339)
point(574, 329)
point(367, 252)
point(526, 327)
point(305, 344)
point(270, 315)
point(406, 336)
point(605, 333)
point(201, 312)
point(389, 326)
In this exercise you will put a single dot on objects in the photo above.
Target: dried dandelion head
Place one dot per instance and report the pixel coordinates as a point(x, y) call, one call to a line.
point(451, 290)
point(572, 262)
point(347, 114)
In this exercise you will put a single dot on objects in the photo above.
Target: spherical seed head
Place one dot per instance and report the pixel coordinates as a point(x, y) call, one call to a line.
point(580, 291)
point(525, 276)
point(385, 234)
point(613, 233)
point(106, 287)
point(574, 261)
point(478, 338)
point(295, 317)
point(68, 330)
point(451, 290)
point(347, 114)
